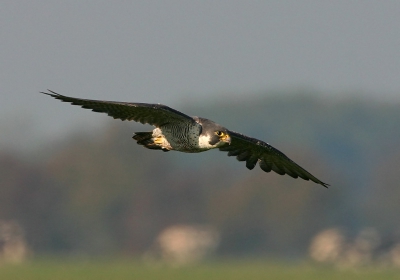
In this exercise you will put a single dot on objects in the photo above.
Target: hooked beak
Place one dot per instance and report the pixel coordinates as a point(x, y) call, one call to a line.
point(226, 138)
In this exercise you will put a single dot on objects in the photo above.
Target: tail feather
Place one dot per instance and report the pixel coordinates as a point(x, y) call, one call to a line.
point(142, 137)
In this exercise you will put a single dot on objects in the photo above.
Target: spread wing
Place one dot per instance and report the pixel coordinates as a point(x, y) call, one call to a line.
point(252, 151)
point(153, 114)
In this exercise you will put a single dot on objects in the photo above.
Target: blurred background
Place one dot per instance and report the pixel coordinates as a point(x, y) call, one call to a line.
point(318, 80)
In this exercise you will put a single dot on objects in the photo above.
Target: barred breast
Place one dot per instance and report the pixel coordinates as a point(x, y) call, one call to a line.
point(183, 137)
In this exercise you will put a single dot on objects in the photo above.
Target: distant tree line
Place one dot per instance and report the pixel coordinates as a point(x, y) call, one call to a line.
point(105, 194)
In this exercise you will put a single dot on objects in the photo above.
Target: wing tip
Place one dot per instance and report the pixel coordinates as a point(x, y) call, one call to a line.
point(324, 184)
point(51, 93)
point(317, 181)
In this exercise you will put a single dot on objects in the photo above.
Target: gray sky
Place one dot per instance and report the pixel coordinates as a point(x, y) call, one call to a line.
point(174, 51)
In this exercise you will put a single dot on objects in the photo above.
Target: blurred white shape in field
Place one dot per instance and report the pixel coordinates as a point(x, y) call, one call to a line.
point(395, 255)
point(13, 246)
point(328, 245)
point(332, 246)
point(184, 244)
point(362, 250)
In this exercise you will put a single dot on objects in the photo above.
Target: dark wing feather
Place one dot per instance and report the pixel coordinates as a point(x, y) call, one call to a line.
point(153, 114)
point(252, 151)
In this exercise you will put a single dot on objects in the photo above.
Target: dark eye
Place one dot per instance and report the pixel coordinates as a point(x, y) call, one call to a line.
point(219, 133)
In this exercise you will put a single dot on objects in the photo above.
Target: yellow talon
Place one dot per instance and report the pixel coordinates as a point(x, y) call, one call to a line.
point(159, 140)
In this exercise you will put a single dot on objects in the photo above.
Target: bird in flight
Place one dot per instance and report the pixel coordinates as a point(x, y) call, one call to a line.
point(176, 131)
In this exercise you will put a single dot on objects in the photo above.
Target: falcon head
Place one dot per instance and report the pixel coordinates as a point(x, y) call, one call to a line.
point(212, 134)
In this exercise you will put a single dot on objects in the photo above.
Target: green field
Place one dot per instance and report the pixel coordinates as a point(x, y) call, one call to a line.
point(59, 269)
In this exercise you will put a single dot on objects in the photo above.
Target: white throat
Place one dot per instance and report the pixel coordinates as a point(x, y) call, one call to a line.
point(204, 142)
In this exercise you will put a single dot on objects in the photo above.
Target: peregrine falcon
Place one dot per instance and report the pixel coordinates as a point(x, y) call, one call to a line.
point(179, 132)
